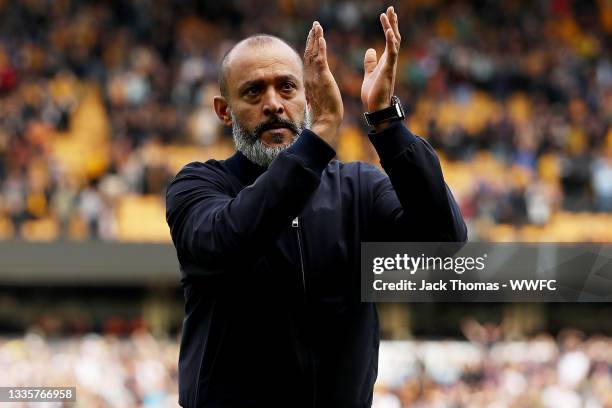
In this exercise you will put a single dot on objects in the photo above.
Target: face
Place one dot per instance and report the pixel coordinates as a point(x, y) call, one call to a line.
point(266, 103)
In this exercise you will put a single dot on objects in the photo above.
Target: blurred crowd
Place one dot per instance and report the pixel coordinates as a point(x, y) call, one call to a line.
point(569, 371)
point(107, 371)
point(101, 102)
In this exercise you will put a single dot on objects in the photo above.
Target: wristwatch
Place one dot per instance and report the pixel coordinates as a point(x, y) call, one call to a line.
point(392, 113)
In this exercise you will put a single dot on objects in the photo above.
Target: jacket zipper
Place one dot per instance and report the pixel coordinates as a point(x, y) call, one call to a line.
point(296, 224)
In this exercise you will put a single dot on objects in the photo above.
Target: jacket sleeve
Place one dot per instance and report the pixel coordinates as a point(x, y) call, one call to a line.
point(413, 203)
point(210, 225)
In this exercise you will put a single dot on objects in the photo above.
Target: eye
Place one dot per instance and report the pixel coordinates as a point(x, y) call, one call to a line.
point(288, 86)
point(251, 91)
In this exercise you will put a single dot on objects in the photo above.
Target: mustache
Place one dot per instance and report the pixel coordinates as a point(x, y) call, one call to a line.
point(274, 123)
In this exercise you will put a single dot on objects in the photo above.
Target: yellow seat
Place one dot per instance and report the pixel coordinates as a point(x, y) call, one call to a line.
point(142, 219)
point(44, 229)
point(7, 230)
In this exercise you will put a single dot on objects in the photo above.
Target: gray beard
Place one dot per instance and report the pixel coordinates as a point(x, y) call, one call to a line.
point(253, 148)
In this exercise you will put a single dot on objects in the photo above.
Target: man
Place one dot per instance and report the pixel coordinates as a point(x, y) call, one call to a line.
point(269, 239)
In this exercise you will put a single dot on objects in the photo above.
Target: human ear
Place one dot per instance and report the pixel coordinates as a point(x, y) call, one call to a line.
point(222, 110)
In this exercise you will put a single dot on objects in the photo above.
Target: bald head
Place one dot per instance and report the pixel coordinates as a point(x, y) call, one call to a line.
point(251, 44)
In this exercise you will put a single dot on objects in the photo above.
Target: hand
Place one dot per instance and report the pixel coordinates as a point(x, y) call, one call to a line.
point(379, 75)
point(322, 92)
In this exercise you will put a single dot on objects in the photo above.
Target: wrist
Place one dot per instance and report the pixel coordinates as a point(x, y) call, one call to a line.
point(382, 118)
point(326, 129)
point(378, 106)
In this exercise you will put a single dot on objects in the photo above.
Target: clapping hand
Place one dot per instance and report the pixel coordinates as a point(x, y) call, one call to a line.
point(379, 74)
point(322, 92)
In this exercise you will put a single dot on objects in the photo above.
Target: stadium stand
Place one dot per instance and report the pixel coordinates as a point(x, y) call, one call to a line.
point(104, 101)
point(139, 370)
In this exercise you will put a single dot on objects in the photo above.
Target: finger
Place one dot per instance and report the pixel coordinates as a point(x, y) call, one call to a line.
point(322, 57)
point(313, 41)
point(384, 20)
point(389, 12)
point(318, 33)
point(321, 46)
point(309, 40)
point(369, 61)
point(391, 44)
point(392, 47)
point(392, 16)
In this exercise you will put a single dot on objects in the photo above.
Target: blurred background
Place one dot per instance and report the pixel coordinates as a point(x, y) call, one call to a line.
point(102, 102)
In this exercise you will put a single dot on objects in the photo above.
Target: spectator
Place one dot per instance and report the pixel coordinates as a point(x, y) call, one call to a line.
point(498, 89)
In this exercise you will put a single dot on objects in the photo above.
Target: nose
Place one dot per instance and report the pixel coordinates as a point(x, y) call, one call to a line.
point(272, 103)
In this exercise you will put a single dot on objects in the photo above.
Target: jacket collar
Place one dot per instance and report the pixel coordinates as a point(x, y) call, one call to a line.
point(244, 169)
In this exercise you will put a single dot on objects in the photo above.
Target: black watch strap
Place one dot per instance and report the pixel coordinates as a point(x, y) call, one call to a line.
point(391, 114)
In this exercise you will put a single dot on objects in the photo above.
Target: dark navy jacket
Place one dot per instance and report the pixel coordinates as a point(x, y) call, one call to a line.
point(270, 268)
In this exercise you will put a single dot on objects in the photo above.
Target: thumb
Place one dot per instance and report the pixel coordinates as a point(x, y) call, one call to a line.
point(369, 61)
